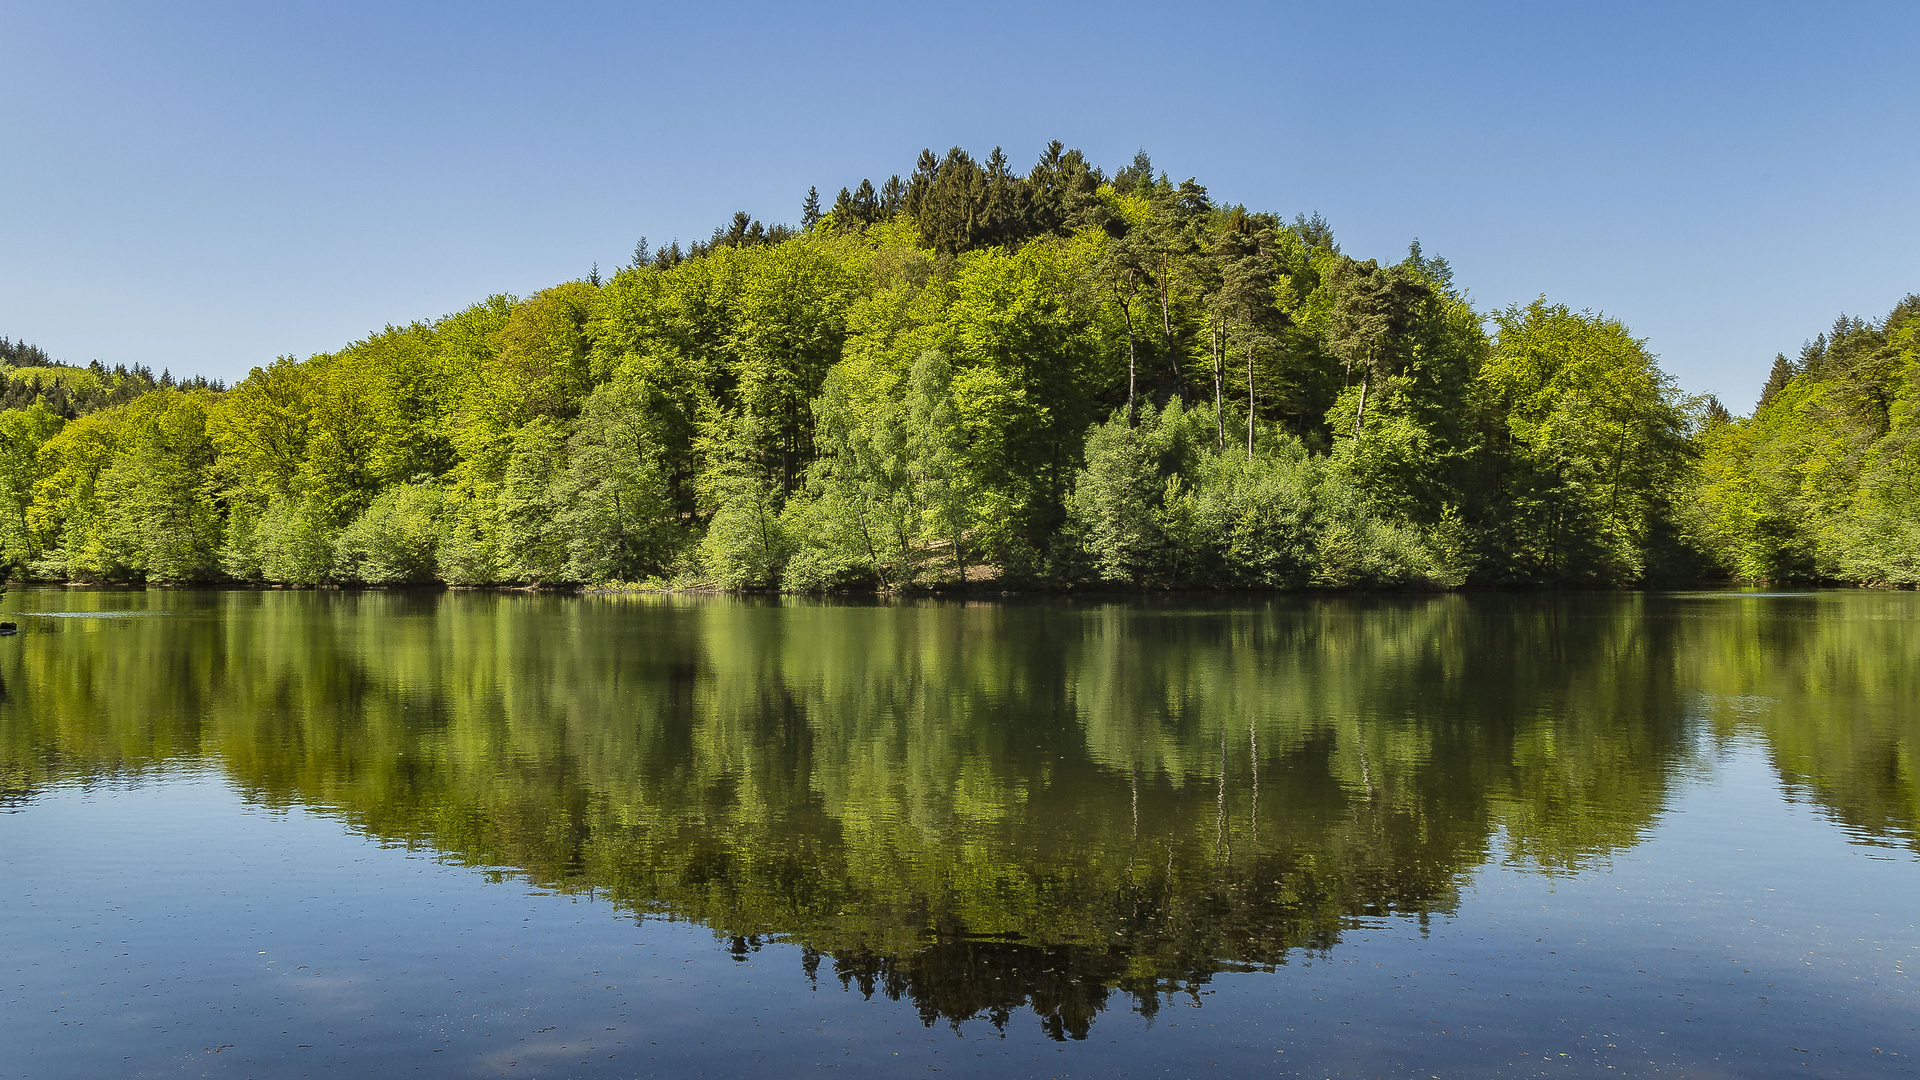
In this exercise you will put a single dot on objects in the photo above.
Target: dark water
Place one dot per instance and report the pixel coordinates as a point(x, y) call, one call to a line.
point(286, 834)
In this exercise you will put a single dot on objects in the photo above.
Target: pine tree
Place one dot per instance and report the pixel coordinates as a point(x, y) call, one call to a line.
point(1777, 380)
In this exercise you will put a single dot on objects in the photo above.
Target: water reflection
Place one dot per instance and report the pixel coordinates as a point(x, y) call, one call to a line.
point(982, 809)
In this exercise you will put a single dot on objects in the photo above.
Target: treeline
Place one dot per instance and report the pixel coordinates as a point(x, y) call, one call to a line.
point(1060, 378)
point(29, 375)
point(1823, 482)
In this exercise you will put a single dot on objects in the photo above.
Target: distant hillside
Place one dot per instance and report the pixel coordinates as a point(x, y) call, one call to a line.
point(20, 354)
point(29, 374)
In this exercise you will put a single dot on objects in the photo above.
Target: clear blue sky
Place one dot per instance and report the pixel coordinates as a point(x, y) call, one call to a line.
point(203, 187)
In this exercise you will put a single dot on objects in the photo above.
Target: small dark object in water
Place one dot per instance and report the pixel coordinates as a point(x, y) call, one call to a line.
point(8, 628)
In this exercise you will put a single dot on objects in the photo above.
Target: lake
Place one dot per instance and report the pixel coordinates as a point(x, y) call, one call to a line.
point(259, 833)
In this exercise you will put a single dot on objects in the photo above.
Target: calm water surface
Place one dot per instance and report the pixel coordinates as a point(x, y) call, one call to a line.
point(287, 834)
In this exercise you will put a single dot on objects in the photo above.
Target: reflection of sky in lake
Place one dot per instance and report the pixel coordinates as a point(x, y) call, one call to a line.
point(170, 920)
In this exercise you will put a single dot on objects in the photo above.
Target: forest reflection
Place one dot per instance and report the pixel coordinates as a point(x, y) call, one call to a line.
point(1056, 805)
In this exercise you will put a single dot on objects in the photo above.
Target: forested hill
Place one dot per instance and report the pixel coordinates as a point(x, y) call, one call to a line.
point(1058, 378)
point(28, 374)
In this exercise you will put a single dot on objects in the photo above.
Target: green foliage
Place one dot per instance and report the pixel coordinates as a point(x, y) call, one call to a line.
point(1120, 500)
point(862, 510)
point(614, 509)
point(937, 458)
point(22, 433)
point(161, 521)
point(891, 484)
point(746, 545)
point(1156, 506)
point(1823, 481)
point(1251, 521)
point(534, 542)
point(395, 540)
point(1594, 446)
point(294, 542)
point(1056, 378)
point(467, 552)
point(1360, 546)
point(68, 520)
point(29, 376)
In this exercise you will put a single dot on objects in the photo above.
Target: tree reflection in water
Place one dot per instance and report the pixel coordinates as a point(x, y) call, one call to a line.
point(982, 809)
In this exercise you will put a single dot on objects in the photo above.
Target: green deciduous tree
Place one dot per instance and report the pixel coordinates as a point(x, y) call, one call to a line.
point(395, 540)
point(22, 433)
point(1820, 483)
point(615, 510)
point(1594, 441)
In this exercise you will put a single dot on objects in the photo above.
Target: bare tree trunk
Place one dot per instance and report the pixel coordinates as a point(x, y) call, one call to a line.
point(959, 552)
point(766, 540)
point(1360, 745)
point(1619, 462)
point(1360, 414)
point(1249, 403)
point(1166, 329)
point(1126, 311)
point(1219, 380)
point(618, 516)
point(866, 536)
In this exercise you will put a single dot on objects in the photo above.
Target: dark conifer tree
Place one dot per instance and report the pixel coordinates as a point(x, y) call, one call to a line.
point(1137, 173)
point(1777, 380)
point(920, 187)
point(866, 203)
point(1061, 189)
point(1002, 213)
point(1314, 232)
point(21, 354)
point(743, 231)
point(1813, 356)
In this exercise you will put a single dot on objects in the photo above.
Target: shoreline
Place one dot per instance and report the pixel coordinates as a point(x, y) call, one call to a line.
point(943, 592)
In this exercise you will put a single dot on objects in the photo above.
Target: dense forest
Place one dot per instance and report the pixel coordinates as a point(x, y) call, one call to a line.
point(1823, 482)
point(1062, 379)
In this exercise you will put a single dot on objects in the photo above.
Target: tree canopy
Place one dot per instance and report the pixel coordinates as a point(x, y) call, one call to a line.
point(1822, 482)
point(1060, 378)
